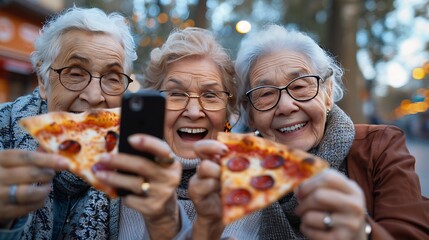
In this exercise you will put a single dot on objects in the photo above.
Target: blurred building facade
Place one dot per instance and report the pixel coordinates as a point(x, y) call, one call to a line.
point(20, 21)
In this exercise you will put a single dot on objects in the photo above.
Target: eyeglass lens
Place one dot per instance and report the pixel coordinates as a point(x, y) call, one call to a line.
point(77, 79)
point(177, 100)
point(301, 89)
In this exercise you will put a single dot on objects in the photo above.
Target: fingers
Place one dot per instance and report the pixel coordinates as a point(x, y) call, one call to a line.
point(327, 179)
point(210, 149)
point(205, 181)
point(325, 199)
point(28, 198)
point(331, 206)
point(13, 158)
point(141, 166)
point(208, 169)
point(204, 191)
point(330, 191)
point(343, 226)
point(25, 175)
point(148, 143)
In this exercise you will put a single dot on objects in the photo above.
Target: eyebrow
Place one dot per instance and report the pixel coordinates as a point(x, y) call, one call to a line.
point(289, 76)
point(204, 85)
point(85, 60)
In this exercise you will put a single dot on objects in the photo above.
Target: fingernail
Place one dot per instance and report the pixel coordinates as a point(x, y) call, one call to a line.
point(105, 157)
point(63, 162)
point(101, 174)
point(135, 140)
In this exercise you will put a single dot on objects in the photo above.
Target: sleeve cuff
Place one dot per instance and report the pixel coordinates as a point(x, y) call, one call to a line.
point(17, 229)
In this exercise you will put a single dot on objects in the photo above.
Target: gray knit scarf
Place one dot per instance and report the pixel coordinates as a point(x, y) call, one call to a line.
point(94, 218)
point(279, 220)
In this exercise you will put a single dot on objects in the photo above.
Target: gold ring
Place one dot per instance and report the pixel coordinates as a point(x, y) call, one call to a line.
point(12, 194)
point(145, 188)
point(165, 160)
point(328, 222)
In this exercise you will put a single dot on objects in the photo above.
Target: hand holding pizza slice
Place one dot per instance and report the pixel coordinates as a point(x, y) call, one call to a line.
point(82, 138)
point(257, 172)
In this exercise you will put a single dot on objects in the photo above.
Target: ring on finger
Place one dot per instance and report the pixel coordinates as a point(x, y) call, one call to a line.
point(328, 222)
point(12, 194)
point(145, 186)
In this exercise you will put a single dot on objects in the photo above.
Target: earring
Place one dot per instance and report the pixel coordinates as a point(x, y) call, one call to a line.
point(227, 127)
point(327, 112)
point(257, 133)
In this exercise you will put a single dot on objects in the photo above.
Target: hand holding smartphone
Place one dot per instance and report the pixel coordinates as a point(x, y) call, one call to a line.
point(141, 112)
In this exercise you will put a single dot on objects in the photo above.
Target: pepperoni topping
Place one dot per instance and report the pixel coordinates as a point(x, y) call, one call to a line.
point(69, 147)
point(262, 182)
point(272, 161)
point(237, 164)
point(111, 140)
point(238, 197)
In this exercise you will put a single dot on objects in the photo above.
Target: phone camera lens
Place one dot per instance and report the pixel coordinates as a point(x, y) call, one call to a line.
point(136, 104)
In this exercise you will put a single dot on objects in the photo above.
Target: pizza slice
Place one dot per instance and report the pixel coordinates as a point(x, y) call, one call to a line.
point(257, 172)
point(81, 138)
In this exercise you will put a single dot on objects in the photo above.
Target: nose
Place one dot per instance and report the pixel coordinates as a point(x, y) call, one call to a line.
point(193, 109)
point(93, 93)
point(287, 104)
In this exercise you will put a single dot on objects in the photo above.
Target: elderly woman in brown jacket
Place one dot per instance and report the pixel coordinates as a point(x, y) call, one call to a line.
point(288, 94)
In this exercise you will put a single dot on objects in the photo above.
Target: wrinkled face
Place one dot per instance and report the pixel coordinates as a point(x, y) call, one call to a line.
point(297, 124)
point(96, 52)
point(183, 128)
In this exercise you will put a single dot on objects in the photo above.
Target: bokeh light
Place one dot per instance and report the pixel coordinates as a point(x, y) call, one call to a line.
point(243, 27)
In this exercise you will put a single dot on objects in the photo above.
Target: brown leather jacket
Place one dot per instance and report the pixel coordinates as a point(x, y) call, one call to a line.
point(381, 164)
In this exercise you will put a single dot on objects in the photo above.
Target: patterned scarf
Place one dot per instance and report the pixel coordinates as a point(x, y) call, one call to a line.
point(189, 169)
point(94, 215)
point(279, 220)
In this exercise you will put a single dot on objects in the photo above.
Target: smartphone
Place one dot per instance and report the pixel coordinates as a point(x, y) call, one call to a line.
point(141, 112)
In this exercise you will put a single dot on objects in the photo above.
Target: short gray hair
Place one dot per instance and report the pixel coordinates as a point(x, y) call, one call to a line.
point(192, 41)
point(48, 43)
point(274, 38)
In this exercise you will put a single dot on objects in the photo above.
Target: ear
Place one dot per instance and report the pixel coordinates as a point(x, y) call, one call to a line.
point(329, 100)
point(42, 86)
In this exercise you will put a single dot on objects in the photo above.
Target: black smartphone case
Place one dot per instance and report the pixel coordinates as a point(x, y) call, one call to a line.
point(141, 112)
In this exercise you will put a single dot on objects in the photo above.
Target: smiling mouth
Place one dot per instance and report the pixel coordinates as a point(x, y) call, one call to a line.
point(292, 128)
point(192, 134)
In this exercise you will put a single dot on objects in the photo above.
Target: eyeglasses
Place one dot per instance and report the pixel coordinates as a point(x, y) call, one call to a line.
point(77, 79)
point(301, 89)
point(211, 101)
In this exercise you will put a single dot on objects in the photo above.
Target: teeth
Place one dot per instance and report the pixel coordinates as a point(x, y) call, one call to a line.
point(292, 128)
point(192, 130)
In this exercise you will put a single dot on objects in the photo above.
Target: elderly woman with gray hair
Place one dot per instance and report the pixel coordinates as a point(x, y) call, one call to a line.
point(83, 59)
point(289, 86)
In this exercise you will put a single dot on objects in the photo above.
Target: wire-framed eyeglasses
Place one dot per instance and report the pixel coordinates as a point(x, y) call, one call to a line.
point(211, 101)
point(301, 89)
point(77, 79)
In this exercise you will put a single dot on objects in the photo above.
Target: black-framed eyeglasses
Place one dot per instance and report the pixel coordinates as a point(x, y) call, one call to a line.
point(77, 79)
point(211, 101)
point(301, 89)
